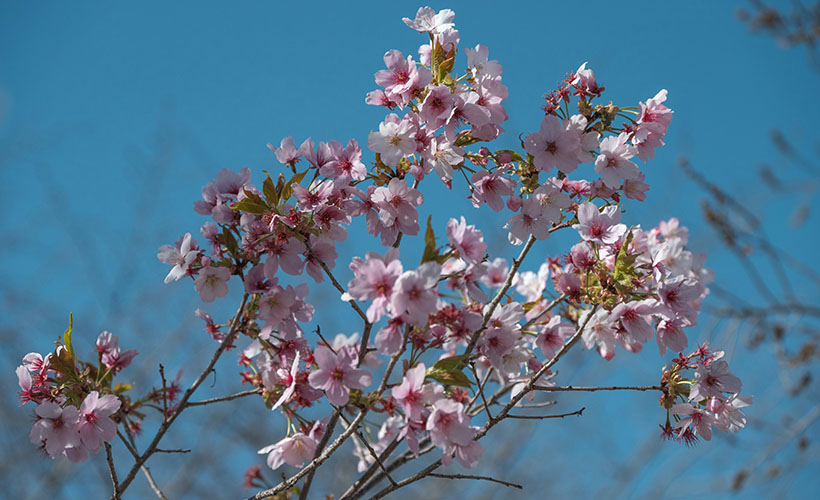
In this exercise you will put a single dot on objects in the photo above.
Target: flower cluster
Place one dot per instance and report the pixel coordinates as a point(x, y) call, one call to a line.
point(459, 307)
point(711, 398)
point(72, 418)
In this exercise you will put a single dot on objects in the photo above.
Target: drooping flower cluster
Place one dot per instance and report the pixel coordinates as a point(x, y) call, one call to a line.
point(619, 285)
point(712, 398)
point(72, 420)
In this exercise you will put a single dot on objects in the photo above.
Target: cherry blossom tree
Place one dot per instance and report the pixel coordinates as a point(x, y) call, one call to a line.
point(450, 346)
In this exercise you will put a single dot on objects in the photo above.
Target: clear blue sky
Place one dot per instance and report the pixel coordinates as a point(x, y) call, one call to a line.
point(113, 117)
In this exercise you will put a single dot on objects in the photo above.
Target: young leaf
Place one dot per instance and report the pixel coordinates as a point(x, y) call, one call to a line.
point(449, 377)
point(67, 336)
point(271, 194)
point(430, 252)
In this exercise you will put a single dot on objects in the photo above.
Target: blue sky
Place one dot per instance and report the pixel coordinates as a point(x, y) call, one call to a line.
point(113, 117)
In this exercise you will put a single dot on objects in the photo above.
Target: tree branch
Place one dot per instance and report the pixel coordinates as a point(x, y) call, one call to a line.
point(593, 389)
point(238, 395)
point(183, 403)
point(114, 481)
point(543, 417)
point(482, 478)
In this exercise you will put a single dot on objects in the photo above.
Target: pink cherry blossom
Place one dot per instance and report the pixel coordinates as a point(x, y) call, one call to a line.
point(394, 140)
point(599, 227)
point(600, 330)
point(613, 163)
point(212, 283)
point(428, 21)
point(57, 427)
point(467, 241)
point(95, 426)
point(413, 298)
point(553, 336)
point(450, 430)
point(701, 421)
point(652, 124)
point(553, 146)
point(729, 416)
point(490, 187)
point(713, 380)
point(294, 450)
point(289, 379)
point(180, 256)
point(412, 394)
point(337, 374)
point(374, 280)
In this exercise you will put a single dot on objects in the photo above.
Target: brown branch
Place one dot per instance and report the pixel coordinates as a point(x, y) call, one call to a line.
point(316, 462)
point(481, 391)
point(504, 412)
point(238, 395)
point(183, 402)
point(543, 417)
point(482, 478)
point(368, 326)
point(319, 448)
point(178, 450)
point(114, 481)
point(593, 389)
point(500, 294)
point(152, 483)
point(375, 457)
point(549, 307)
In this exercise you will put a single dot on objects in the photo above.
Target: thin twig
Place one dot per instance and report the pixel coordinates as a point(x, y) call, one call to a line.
point(593, 389)
point(375, 457)
point(543, 417)
point(238, 395)
point(482, 478)
point(316, 462)
point(183, 402)
point(504, 412)
point(367, 324)
point(331, 424)
point(178, 450)
point(547, 309)
point(158, 492)
point(481, 392)
point(114, 481)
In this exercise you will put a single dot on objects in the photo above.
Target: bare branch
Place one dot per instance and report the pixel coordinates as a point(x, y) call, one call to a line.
point(154, 486)
point(183, 402)
point(319, 448)
point(482, 478)
point(238, 395)
point(569, 388)
point(543, 417)
point(114, 481)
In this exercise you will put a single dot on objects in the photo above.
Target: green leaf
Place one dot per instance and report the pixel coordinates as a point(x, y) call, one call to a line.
point(448, 377)
point(271, 194)
point(450, 363)
point(430, 252)
point(120, 388)
point(229, 241)
point(465, 139)
point(624, 272)
point(445, 67)
point(438, 55)
point(287, 190)
point(252, 204)
point(67, 336)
